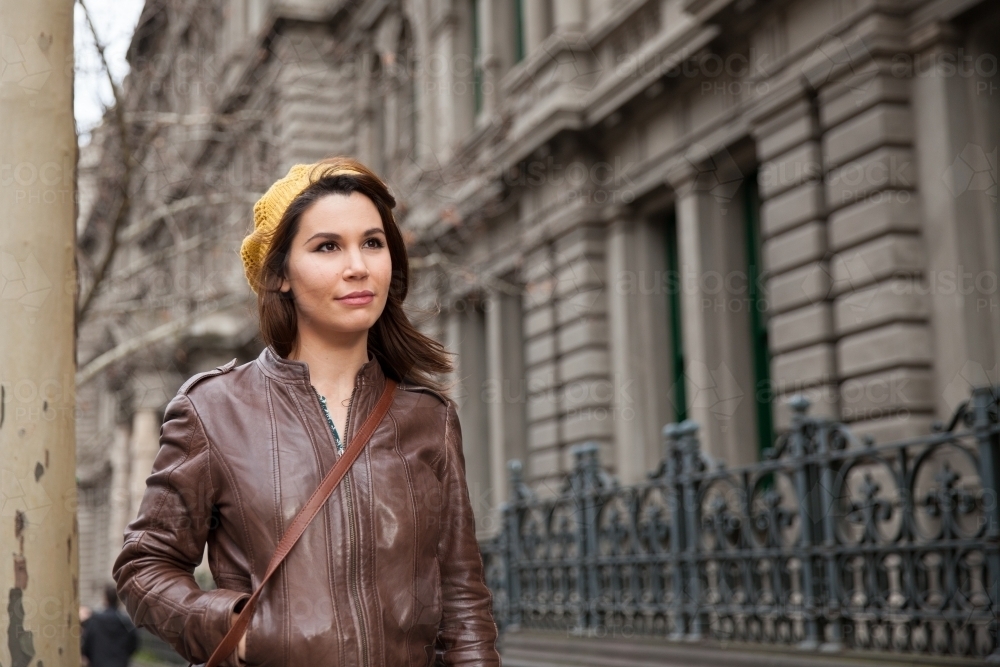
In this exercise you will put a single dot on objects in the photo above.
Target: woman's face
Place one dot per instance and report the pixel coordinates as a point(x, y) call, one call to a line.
point(338, 251)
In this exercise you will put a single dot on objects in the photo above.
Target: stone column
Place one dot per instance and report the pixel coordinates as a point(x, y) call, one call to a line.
point(719, 380)
point(119, 496)
point(505, 392)
point(489, 38)
point(495, 402)
point(597, 9)
point(39, 572)
point(143, 447)
point(956, 218)
point(569, 15)
point(639, 343)
point(467, 338)
point(426, 141)
point(497, 34)
point(537, 23)
point(452, 78)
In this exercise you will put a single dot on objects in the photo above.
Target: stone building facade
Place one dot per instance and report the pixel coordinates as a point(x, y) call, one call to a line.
point(621, 213)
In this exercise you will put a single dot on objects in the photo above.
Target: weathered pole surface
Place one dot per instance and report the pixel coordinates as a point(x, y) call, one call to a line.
point(38, 534)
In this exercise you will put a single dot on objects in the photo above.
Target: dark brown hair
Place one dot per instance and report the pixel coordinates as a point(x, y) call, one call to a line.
point(403, 352)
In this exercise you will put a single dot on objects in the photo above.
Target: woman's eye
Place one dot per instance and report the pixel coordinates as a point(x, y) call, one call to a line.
point(329, 246)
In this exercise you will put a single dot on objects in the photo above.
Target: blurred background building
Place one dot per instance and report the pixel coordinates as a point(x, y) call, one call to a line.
point(621, 213)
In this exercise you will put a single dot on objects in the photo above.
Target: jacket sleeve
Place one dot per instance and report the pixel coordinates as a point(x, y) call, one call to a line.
point(468, 632)
point(165, 542)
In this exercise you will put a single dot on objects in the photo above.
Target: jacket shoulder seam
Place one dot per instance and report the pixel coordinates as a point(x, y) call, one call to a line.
point(406, 386)
point(195, 379)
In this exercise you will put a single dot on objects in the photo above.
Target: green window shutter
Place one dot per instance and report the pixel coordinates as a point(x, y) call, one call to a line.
point(757, 302)
point(673, 285)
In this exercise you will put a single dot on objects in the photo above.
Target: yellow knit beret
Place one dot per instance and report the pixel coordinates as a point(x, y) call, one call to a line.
point(269, 209)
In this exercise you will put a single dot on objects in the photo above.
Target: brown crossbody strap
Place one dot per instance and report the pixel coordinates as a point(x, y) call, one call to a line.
point(303, 518)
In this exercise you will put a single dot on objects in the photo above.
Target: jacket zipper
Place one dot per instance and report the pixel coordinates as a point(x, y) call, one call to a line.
point(353, 566)
point(353, 559)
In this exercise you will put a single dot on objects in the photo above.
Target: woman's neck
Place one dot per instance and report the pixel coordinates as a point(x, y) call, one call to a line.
point(333, 364)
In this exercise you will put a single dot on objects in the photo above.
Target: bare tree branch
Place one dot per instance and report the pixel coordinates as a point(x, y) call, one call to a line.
point(122, 216)
point(123, 209)
point(149, 260)
point(146, 223)
point(172, 118)
point(156, 335)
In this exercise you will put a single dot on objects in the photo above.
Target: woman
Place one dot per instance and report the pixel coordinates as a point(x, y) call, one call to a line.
point(390, 572)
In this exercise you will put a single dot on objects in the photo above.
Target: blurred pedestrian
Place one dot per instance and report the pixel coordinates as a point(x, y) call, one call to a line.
point(109, 638)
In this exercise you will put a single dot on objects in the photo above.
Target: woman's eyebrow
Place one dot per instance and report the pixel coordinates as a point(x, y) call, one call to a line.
point(336, 237)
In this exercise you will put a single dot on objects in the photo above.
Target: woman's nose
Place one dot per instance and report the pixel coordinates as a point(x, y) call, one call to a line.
point(356, 263)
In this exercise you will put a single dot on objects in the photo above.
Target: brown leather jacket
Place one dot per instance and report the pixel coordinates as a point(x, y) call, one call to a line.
point(389, 574)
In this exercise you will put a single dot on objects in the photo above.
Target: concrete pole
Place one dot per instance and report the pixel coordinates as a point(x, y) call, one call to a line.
point(39, 566)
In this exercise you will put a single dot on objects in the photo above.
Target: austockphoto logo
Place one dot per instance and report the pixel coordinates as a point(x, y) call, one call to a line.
point(25, 282)
point(39, 182)
point(22, 498)
point(24, 64)
point(730, 290)
point(702, 66)
point(835, 58)
point(947, 282)
point(973, 170)
point(601, 414)
point(715, 173)
point(958, 63)
point(577, 175)
point(167, 288)
point(600, 196)
point(893, 171)
point(713, 389)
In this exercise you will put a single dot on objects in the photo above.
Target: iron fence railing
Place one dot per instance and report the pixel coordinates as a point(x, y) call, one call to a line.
point(829, 543)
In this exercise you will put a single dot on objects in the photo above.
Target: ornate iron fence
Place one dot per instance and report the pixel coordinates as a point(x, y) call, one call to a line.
point(829, 543)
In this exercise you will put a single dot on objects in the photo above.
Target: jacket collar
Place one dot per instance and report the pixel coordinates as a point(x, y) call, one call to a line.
point(288, 370)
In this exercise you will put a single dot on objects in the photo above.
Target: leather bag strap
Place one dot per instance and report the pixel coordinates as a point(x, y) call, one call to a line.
point(305, 516)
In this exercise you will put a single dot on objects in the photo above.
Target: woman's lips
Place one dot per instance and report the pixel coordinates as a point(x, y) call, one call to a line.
point(357, 300)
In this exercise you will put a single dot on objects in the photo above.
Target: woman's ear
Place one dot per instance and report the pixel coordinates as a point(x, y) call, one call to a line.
point(286, 287)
